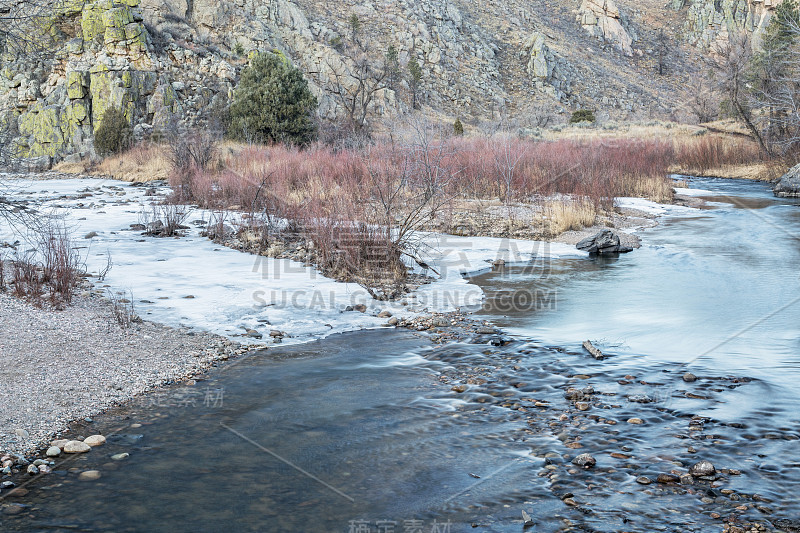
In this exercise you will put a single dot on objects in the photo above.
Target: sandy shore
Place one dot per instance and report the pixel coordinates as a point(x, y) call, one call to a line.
point(59, 366)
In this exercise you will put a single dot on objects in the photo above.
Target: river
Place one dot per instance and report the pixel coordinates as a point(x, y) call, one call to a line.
point(382, 431)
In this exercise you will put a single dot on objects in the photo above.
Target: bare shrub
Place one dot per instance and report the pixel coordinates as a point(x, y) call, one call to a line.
point(189, 153)
point(217, 229)
point(123, 310)
point(26, 278)
point(101, 276)
point(164, 220)
point(61, 262)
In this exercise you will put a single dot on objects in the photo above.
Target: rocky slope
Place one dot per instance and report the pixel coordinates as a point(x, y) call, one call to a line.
point(169, 63)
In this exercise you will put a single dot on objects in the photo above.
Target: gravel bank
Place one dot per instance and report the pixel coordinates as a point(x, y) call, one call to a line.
point(58, 366)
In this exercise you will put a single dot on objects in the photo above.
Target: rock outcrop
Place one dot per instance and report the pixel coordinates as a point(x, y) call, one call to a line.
point(789, 184)
point(710, 23)
point(104, 58)
point(605, 242)
point(602, 19)
point(550, 72)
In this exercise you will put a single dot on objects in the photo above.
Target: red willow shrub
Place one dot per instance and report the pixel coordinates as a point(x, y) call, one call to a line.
point(506, 168)
point(352, 204)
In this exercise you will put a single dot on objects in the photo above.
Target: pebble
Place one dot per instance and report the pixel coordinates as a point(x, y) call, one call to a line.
point(12, 509)
point(95, 440)
point(120, 456)
point(254, 334)
point(393, 321)
point(385, 314)
point(635, 421)
point(703, 468)
point(89, 475)
point(33, 470)
point(459, 388)
point(76, 446)
point(668, 478)
point(582, 406)
point(53, 451)
point(643, 480)
point(21, 433)
point(585, 460)
point(689, 377)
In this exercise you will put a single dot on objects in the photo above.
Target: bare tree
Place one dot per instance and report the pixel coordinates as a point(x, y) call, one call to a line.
point(412, 186)
point(662, 51)
point(356, 81)
point(775, 79)
point(703, 102)
point(507, 156)
point(731, 64)
point(355, 86)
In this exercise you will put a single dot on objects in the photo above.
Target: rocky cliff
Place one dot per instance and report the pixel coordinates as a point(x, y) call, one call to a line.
point(709, 23)
point(168, 63)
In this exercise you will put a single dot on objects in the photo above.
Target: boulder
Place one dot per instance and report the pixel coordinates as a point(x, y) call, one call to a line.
point(789, 184)
point(94, 440)
point(703, 468)
point(76, 446)
point(585, 460)
point(605, 242)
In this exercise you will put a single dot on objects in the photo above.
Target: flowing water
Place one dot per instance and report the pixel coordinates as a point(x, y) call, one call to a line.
point(362, 432)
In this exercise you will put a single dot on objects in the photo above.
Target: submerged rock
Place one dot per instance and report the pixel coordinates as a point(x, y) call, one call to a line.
point(605, 242)
point(668, 478)
point(89, 475)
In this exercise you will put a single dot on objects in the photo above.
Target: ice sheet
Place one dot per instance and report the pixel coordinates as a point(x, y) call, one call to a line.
point(193, 282)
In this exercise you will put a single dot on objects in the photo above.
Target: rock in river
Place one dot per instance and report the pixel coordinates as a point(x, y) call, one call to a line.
point(605, 242)
point(89, 475)
point(668, 478)
point(789, 184)
point(94, 440)
point(703, 468)
point(585, 460)
point(76, 446)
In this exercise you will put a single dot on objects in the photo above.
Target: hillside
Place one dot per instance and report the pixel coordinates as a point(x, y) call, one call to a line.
point(169, 63)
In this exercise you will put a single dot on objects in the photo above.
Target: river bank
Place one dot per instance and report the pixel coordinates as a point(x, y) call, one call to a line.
point(62, 366)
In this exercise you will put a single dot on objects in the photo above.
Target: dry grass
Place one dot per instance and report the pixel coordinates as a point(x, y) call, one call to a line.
point(144, 162)
point(83, 167)
point(568, 214)
point(141, 163)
